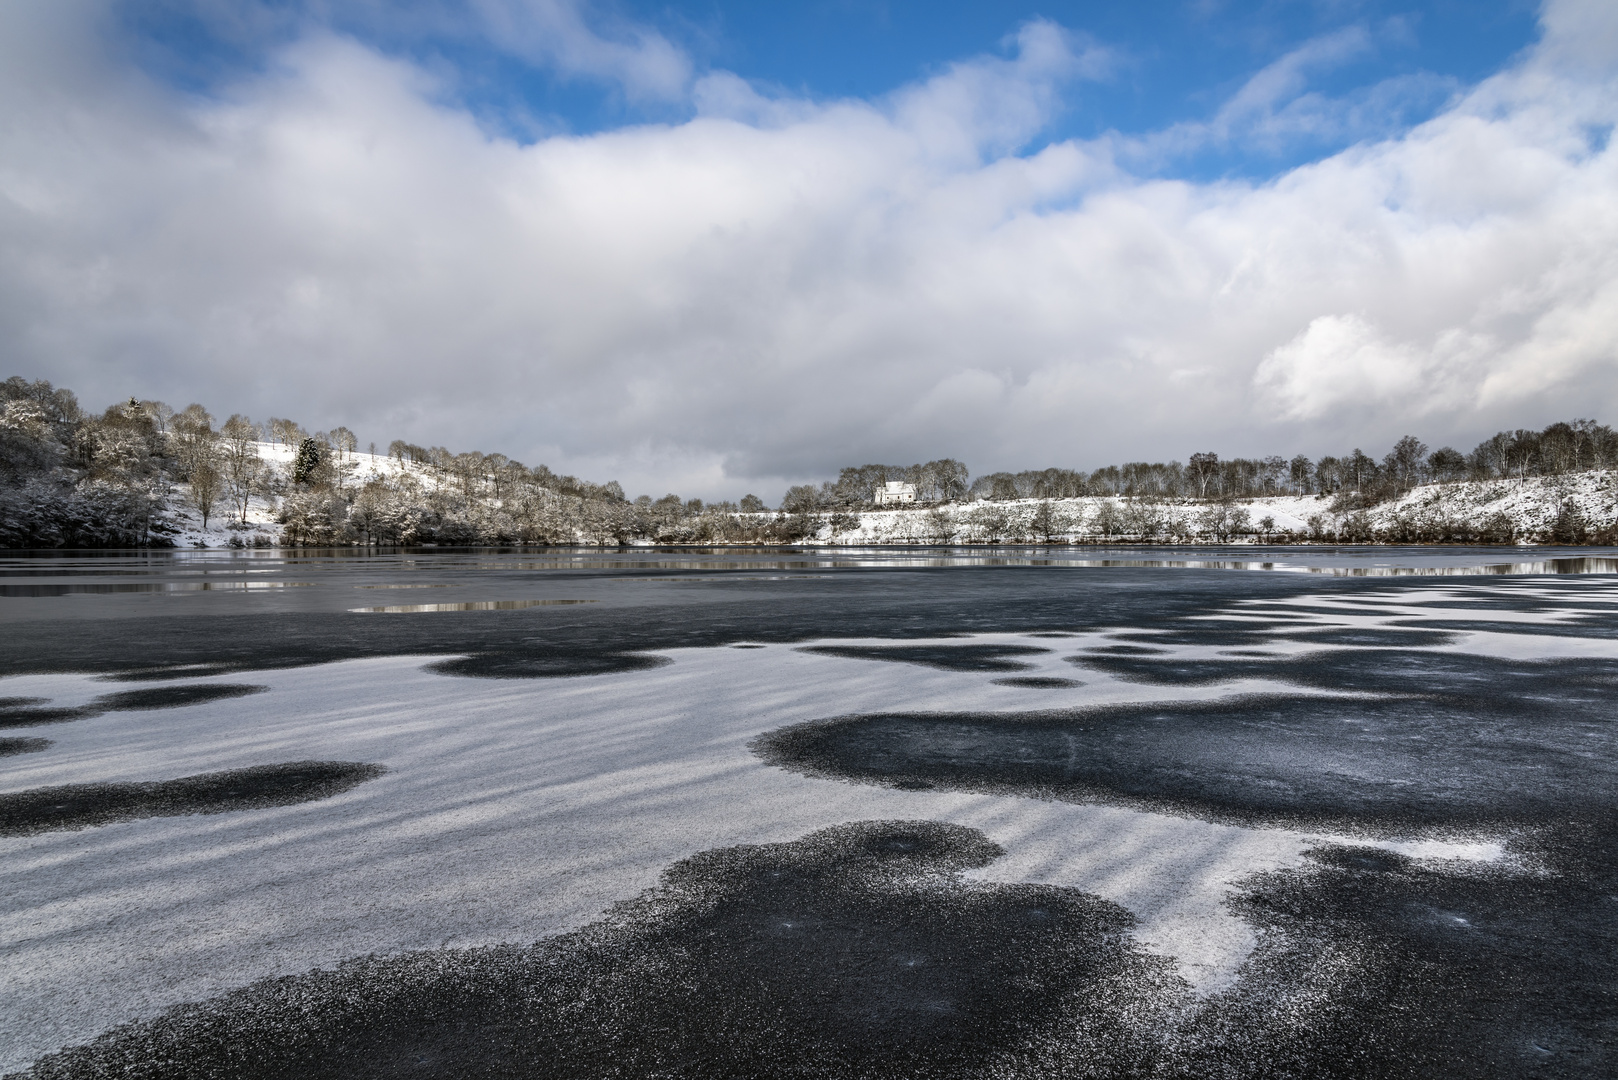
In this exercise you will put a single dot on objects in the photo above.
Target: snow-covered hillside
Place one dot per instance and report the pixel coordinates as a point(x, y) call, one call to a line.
point(225, 528)
point(1499, 511)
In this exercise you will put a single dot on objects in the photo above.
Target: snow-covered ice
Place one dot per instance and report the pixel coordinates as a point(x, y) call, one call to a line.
point(517, 809)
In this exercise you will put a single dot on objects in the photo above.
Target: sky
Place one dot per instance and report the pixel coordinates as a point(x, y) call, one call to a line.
point(722, 247)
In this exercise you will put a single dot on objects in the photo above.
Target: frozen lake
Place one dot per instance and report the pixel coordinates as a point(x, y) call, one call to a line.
point(810, 812)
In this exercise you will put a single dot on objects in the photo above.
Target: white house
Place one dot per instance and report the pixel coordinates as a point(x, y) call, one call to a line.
point(895, 491)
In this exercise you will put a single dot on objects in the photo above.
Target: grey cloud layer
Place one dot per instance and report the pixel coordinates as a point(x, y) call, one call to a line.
point(779, 286)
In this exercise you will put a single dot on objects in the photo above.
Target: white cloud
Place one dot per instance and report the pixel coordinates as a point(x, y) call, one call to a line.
point(557, 33)
point(1341, 364)
point(996, 105)
point(777, 286)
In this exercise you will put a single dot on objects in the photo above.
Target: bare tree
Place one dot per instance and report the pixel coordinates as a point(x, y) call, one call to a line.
point(949, 479)
point(343, 441)
point(1223, 520)
point(1446, 465)
point(239, 455)
point(1404, 464)
point(193, 438)
point(1050, 522)
point(1271, 471)
point(1301, 474)
point(1361, 469)
point(940, 526)
point(1142, 518)
point(1488, 458)
point(288, 433)
point(843, 522)
point(987, 523)
point(160, 415)
point(1108, 521)
point(801, 499)
point(206, 480)
point(1203, 468)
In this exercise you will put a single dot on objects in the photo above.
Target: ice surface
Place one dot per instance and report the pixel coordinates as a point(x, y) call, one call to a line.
point(516, 809)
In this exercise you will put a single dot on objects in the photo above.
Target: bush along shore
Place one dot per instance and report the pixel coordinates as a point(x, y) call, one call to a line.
point(140, 474)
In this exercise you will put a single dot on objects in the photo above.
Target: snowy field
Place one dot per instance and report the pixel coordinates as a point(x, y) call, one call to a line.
point(1224, 739)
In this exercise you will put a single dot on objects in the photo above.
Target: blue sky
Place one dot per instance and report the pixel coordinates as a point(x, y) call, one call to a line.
point(718, 247)
point(1391, 63)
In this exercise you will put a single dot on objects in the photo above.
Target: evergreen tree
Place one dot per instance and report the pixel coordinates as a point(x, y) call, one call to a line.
point(307, 462)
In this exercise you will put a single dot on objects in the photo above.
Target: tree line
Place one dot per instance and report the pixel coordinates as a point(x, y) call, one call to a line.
point(1356, 480)
point(73, 478)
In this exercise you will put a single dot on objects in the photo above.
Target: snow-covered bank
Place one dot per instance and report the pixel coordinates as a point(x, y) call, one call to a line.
point(1572, 508)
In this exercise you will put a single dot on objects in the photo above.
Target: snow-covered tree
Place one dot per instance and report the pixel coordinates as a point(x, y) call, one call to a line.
point(242, 467)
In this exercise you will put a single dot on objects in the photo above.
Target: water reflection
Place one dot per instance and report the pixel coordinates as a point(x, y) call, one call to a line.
point(1581, 565)
point(403, 586)
point(721, 578)
point(889, 560)
point(71, 588)
point(53, 574)
point(473, 605)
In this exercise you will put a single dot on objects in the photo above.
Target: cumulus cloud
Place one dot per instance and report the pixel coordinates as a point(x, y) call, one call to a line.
point(777, 286)
point(1342, 364)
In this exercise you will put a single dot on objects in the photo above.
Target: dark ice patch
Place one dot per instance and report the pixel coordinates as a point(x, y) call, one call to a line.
point(855, 952)
point(79, 806)
point(28, 717)
point(9, 747)
point(1427, 970)
point(1378, 765)
point(175, 697)
point(1580, 684)
point(1374, 637)
point(22, 702)
point(1038, 682)
point(747, 646)
point(984, 657)
point(1216, 635)
point(1125, 650)
point(1172, 671)
point(157, 697)
point(1363, 859)
point(545, 665)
